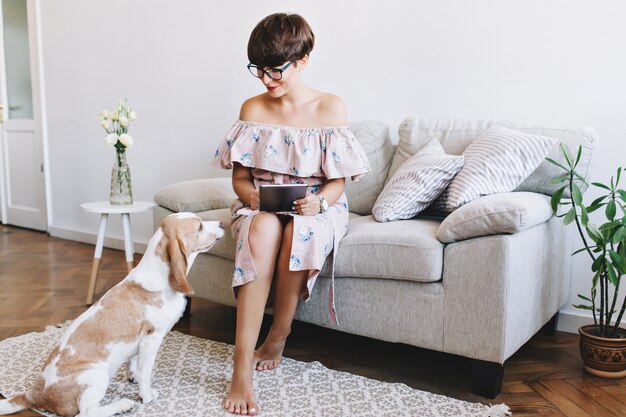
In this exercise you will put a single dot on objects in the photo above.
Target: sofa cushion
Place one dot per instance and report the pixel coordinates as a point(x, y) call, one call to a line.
point(197, 195)
point(405, 250)
point(374, 138)
point(497, 161)
point(456, 134)
point(495, 214)
point(417, 183)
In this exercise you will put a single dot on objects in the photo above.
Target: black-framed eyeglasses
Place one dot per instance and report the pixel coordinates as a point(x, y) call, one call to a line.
point(274, 73)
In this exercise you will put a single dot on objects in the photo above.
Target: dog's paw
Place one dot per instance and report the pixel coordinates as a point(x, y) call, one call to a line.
point(150, 396)
point(125, 404)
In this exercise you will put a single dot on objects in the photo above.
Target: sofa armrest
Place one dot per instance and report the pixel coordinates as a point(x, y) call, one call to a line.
point(495, 214)
point(197, 195)
point(500, 290)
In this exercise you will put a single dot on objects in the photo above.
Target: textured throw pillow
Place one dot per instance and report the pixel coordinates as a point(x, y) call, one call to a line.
point(497, 161)
point(495, 214)
point(417, 182)
point(197, 195)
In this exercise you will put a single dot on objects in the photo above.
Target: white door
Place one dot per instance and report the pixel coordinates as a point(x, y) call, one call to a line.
point(22, 188)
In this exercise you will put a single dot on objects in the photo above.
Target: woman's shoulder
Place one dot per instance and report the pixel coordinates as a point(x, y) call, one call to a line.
point(252, 108)
point(332, 110)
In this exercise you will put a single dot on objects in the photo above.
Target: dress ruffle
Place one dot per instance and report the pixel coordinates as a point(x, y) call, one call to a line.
point(323, 152)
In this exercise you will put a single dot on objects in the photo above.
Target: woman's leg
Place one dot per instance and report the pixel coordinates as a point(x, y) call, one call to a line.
point(288, 287)
point(264, 239)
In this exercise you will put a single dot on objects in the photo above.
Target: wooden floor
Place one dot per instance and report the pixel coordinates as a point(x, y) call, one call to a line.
point(44, 281)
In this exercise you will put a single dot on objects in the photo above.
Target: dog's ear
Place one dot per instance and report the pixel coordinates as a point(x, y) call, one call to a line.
point(178, 266)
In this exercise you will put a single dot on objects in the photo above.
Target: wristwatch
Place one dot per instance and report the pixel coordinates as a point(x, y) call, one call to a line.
point(323, 205)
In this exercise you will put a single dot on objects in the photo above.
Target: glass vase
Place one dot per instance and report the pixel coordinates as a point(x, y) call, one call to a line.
point(121, 187)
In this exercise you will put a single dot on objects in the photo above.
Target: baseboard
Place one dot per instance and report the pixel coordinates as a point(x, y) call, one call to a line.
point(90, 238)
point(571, 320)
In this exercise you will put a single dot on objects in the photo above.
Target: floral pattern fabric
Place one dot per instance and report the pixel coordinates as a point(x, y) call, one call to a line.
point(280, 154)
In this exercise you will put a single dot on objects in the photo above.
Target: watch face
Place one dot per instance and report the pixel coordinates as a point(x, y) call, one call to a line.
point(323, 204)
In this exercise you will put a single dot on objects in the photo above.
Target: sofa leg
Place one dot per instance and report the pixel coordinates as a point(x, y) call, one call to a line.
point(486, 378)
point(550, 327)
point(187, 311)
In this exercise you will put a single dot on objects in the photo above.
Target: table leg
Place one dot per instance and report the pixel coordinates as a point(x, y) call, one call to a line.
point(96, 258)
point(128, 241)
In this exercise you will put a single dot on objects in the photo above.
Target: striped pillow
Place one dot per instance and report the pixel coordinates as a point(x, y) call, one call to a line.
point(497, 161)
point(418, 181)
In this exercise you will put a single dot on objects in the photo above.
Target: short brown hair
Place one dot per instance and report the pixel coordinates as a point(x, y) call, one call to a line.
point(278, 38)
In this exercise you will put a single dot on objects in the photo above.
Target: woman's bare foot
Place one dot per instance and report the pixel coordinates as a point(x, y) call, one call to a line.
point(241, 398)
point(268, 356)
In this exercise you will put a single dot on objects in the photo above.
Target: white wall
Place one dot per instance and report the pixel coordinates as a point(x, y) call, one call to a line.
point(182, 66)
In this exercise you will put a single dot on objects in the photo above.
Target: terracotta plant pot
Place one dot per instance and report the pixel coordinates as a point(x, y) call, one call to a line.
point(603, 357)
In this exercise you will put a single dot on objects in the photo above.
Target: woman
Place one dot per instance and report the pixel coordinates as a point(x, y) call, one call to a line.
point(289, 134)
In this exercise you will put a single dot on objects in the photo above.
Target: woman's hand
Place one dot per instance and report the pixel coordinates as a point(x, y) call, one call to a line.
point(254, 199)
point(307, 206)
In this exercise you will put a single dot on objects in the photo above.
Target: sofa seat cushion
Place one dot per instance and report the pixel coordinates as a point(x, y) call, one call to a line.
point(405, 250)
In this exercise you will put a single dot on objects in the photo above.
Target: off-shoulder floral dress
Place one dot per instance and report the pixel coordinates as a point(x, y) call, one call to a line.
point(279, 154)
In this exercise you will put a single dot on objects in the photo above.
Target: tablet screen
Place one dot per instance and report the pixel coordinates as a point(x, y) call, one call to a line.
point(280, 197)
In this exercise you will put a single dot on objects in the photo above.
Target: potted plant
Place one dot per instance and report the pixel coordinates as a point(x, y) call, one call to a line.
point(603, 343)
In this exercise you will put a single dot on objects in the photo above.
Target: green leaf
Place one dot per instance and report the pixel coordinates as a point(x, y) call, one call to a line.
point(552, 161)
point(612, 275)
point(599, 200)
point(584, 298)
point(559, 179)
point(593, 207)
point(595, 234)
point(619, 262)
point(619, 174)
point(594, 283)
point(595, 267)
point(615, 258)
point(611, 210)
point(580, 151)
point(556, 198)
point(570, 216)
point(581, 250)
point(580, 177)
point(610, 225)
point(622, 195)
point(619, 235)
point(567, 154)
point(582, 307)
point(599, 184)
point(577, 196)
point(584, 217)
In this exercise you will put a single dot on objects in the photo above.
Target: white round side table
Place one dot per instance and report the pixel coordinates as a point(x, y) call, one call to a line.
point(104, 208)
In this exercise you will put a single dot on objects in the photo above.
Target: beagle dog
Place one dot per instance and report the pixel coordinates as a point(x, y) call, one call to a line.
point(127, 324)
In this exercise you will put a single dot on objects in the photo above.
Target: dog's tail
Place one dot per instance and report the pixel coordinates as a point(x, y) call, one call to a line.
point(18, 403)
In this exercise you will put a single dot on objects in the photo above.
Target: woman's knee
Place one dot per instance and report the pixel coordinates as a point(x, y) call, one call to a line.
point(265, 231)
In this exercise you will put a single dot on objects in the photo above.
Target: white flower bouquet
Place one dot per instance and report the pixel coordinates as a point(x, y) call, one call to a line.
point(116, 125)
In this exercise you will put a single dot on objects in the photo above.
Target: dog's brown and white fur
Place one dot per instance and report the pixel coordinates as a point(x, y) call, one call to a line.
point(127, 324)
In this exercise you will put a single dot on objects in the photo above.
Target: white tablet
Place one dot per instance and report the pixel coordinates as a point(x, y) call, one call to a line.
point(280, 197)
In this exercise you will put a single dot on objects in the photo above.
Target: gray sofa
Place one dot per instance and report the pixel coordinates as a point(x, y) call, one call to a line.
point(479, 283)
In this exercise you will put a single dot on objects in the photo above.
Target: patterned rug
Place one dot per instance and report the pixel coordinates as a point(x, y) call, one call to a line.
point(192, 376)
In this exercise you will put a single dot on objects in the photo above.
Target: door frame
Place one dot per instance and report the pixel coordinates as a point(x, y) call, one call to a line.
point(33, 10)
